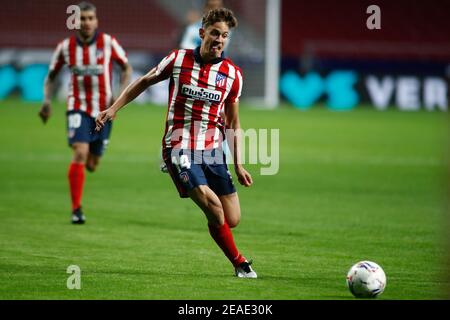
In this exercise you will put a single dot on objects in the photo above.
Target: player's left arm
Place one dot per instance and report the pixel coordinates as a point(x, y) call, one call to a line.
point(234, 141)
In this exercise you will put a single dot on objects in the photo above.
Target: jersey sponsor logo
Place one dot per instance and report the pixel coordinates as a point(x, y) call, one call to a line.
point(201, 93)
point(91, 70)
point(221, 80)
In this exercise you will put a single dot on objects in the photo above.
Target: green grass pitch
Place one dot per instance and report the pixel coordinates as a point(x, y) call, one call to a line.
point(351, 186)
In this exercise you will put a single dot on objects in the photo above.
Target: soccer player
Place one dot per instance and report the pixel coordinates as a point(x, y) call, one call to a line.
point(191, 39)
point(89, 55)
point(202, 84)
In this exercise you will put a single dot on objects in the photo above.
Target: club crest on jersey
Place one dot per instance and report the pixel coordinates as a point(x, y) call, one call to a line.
point(184, 177)
point(221, 80)
point(99, 53)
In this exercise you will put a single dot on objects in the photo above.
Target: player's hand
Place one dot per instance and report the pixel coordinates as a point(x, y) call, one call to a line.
point(102, 118)
point(243, 176)
point(45, 112)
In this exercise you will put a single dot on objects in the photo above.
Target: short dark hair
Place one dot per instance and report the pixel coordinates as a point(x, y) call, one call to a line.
point(219, 15)
point(87, 6)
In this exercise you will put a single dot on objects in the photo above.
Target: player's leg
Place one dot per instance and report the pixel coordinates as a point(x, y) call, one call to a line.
point(79, 129)
point(232, 213)
point(76, 178)
point(80, 152)
point(219, 229)
point(220, 181)
point(92, 162)
point(210, 204)
point(190, 180)
point(231, 209)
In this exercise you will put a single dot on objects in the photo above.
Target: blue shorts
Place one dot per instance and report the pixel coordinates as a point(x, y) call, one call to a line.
point(191, 168)
point(81, 128)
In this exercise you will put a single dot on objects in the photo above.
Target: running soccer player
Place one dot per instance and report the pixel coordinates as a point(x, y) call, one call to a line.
point(89, 55)
point(202, 84)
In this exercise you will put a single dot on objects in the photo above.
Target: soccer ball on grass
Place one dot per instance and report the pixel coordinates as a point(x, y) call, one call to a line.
point(366, 279)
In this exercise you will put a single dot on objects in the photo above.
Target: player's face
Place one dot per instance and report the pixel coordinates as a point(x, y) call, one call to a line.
point(89, 23)
point(214, 38)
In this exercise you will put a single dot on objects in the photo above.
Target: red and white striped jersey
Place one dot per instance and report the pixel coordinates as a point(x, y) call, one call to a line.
point(198, 94)
point(91, 71)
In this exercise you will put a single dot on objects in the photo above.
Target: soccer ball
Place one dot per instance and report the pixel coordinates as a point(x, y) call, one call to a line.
point(366, 279)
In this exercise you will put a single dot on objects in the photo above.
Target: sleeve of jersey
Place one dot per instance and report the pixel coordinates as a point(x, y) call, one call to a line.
point(118, 54)
point(57, 59)
point(236, 88)
point(165, 67)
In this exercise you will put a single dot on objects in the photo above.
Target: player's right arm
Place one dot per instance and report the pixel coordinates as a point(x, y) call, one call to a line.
point(49, 84)
point(128, 95)
point(155, 75)
point(233, 135)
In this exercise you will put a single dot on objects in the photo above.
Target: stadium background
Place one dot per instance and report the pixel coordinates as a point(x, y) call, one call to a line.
point(332, 62)
point(315, 41)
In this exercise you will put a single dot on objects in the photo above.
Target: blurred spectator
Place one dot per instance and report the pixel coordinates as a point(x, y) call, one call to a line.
point(191, 38)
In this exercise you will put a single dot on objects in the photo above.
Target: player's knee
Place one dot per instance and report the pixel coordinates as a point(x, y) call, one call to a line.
point(233, 221)
point(80, 153)
point(79, 157)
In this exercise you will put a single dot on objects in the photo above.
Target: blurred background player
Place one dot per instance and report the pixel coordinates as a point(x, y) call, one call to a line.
point(89, 55)
point(191, 38)
point(194, 130)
